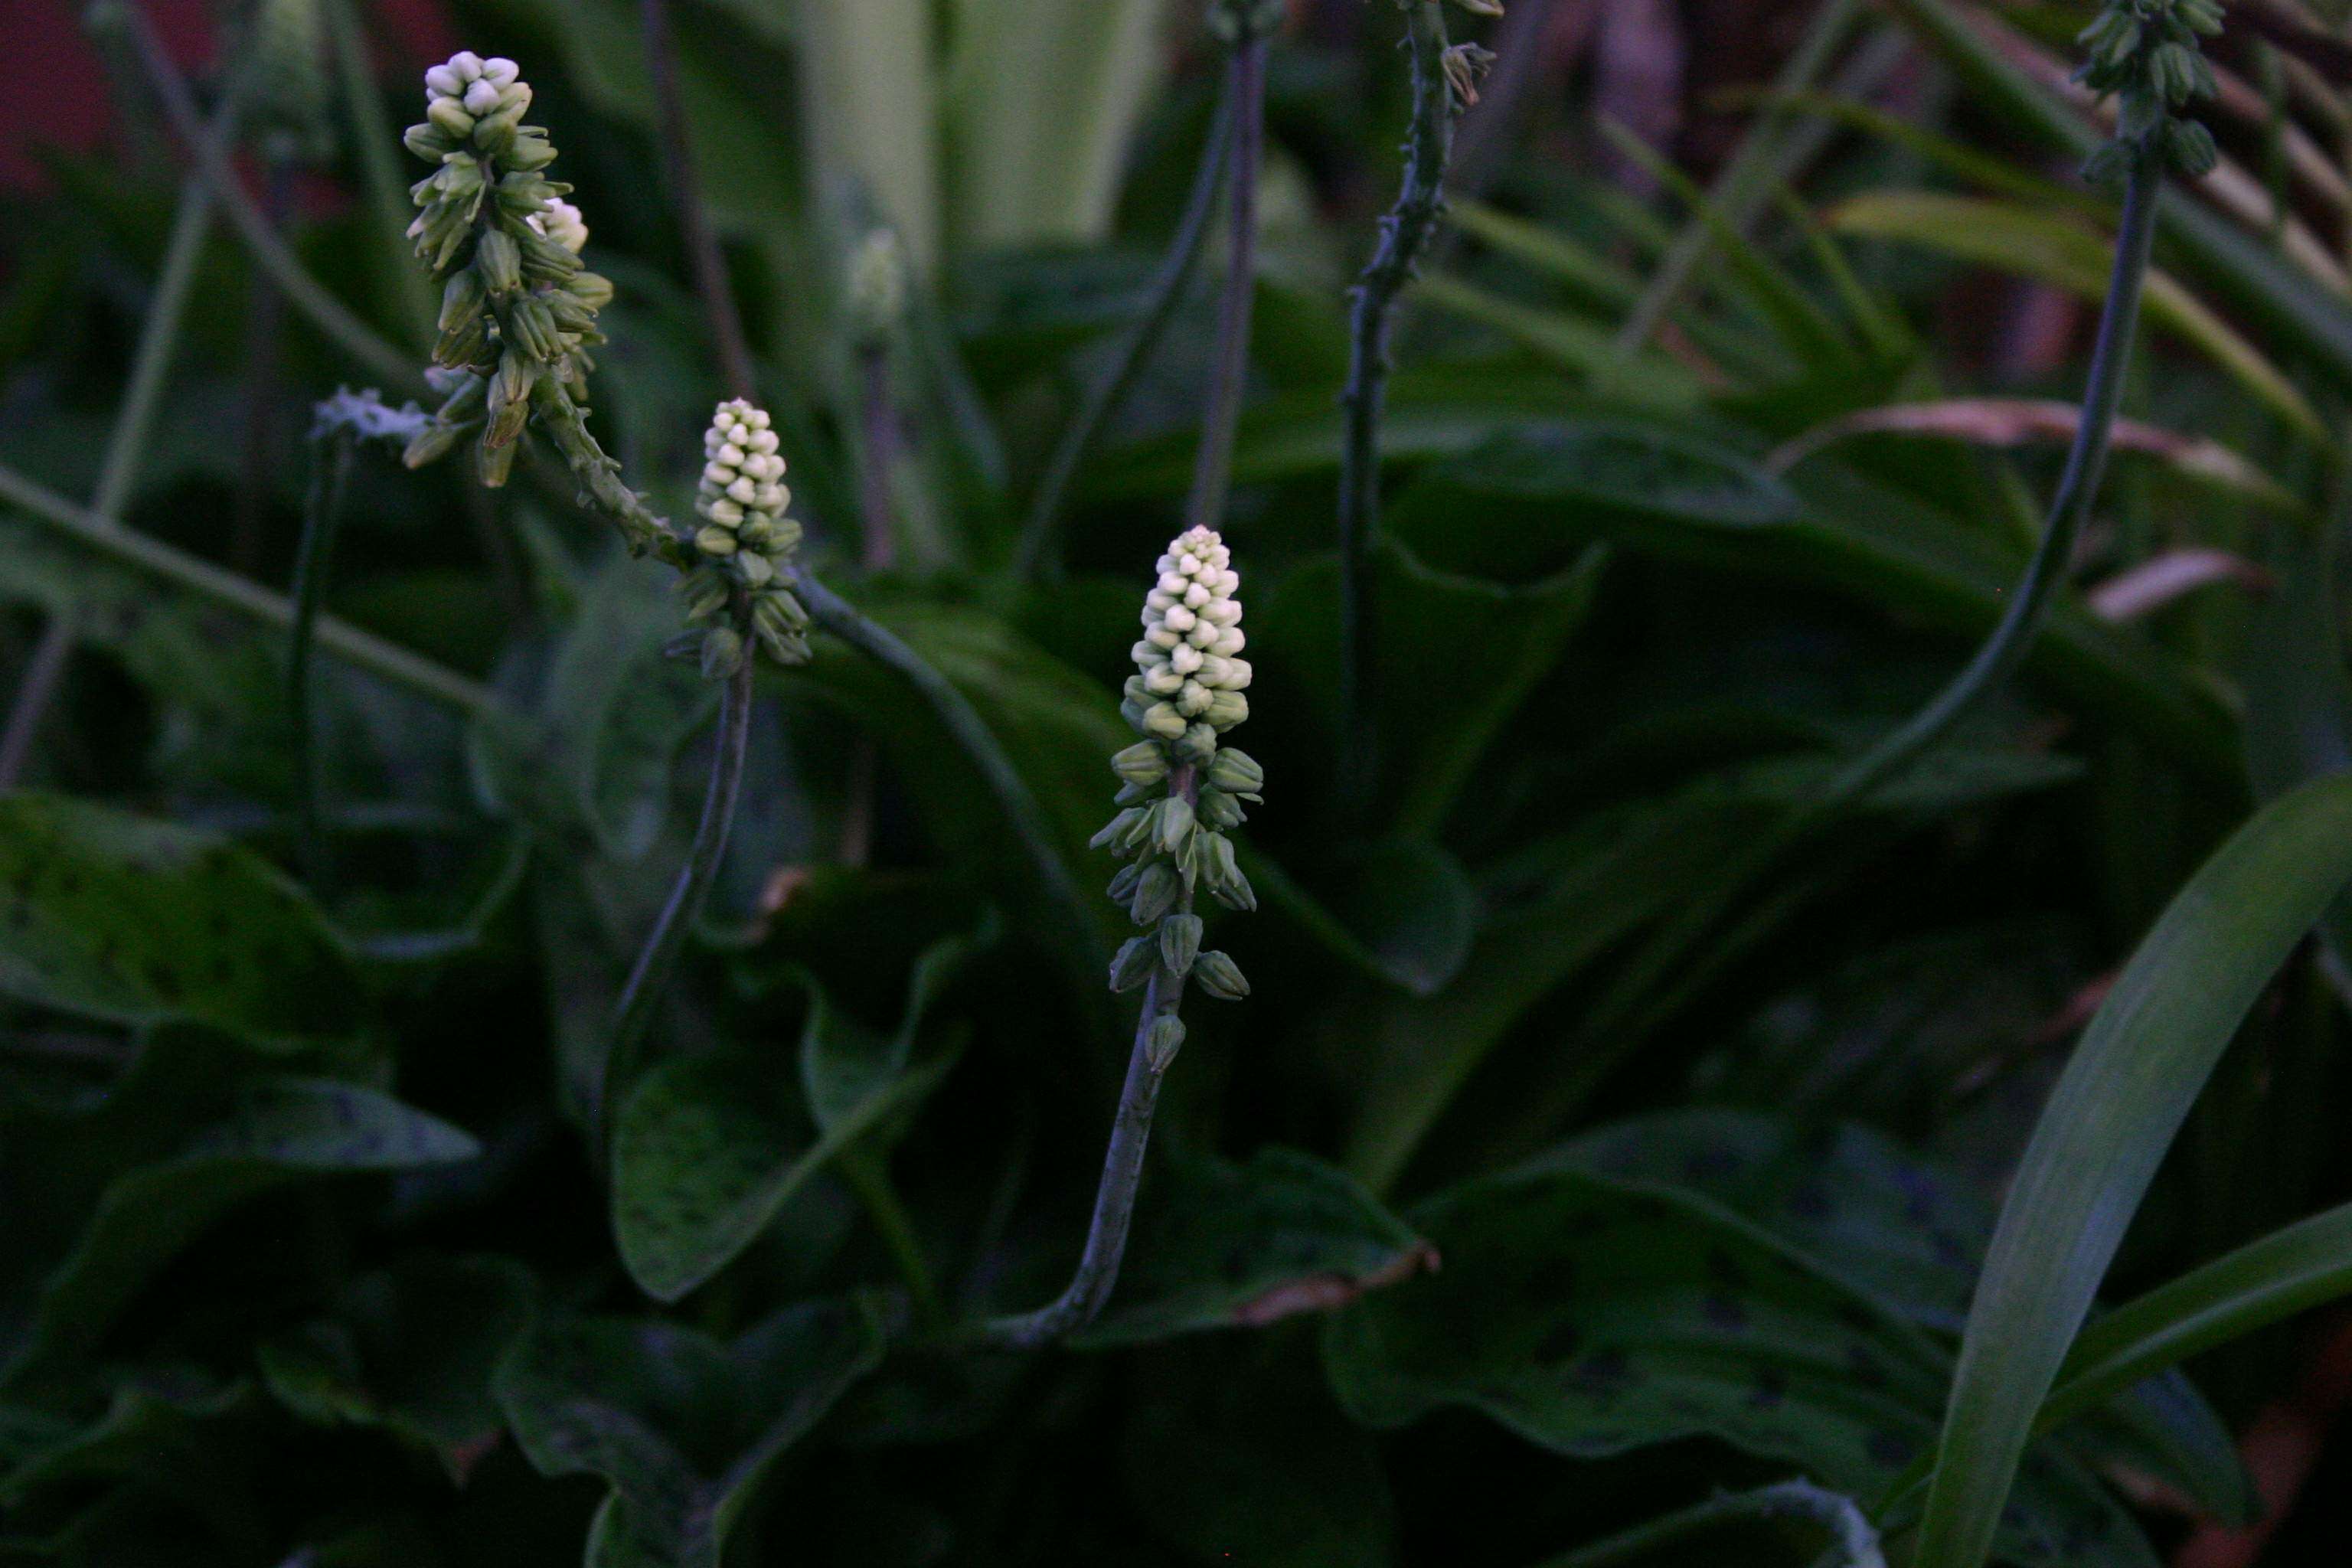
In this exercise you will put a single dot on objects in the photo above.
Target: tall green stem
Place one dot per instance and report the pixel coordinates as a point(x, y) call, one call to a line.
point(702, 253)
point(126, 443)
point(649, 978)
point(1856, 1543)
point(1130, 1134)
point(1405, 234)
point(1041, 534)
point(322, 512)
point(1212, 467)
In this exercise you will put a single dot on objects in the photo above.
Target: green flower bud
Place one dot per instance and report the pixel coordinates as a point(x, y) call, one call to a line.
point(1237, 773)
point(1133, 965)
point(500, 261)
point(430, 444)
point(716, 540)
point(493, 464)
point(1227, 708)
point(1142, 764)
point(1162, 721)
point(1156, 893)
point(1218, 809)
point(1163, 1040)
point(1115, 830)
point(449, 117)
point(1220, 976)
point(1122, 885)
point(1174, 823)
point(1199, 745)
point(722, 652)
point(461, 300)
point(593, 289)
point(1180, 943)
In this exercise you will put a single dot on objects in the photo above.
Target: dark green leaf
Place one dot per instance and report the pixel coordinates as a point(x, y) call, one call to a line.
point(139, 922)
point(679, 1424)
point(1225, 1246)
point(2123, 1096)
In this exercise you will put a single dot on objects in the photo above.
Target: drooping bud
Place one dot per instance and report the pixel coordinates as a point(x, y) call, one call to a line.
point(1163, 1040)
point(1220, 976)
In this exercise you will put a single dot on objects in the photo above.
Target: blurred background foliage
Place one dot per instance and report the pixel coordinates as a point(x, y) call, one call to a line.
point(1715, 441)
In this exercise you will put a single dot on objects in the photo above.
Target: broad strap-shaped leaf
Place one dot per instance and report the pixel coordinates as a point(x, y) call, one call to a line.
point(411, 1348)
point(1219, 1245)
point(2129, 1084)
point(139, 922)
point(2288, 1272)
point(1594, 1316)
point(708, 1150)
point(680, 1425)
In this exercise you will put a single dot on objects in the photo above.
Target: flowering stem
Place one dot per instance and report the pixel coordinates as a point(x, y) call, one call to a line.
point(1405, 234)
point(1619, 1022)
point(361, 650)
point(1212, 467)
point(1130, 1133)
point(724, 321)
point(1856, 1542)
point(1040, 534)
point(599, 476)
point(649, 979)
point(322, 512)
point(269, 252)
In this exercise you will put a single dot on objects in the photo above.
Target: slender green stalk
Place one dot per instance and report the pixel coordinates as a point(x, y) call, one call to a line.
point(1856, 1542)
point(1404, 233)
point(649, 978)
point(1040, 535)
point(268, 250)
point(1131, 1134)
point(1747, 181)
point(601, 488)
point(380, 166)
point(1212, 467)
point(955, 713)
point(45, 670)
point(323, 513)
point(2012, 638)
point(362, 650)
point(881, 452)
point(126, 444)
point(724, 320)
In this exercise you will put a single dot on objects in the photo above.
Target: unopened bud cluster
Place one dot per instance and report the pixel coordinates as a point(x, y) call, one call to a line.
point(518, 309)
point(744, 550)
point(2147, 53)
point(1182, 788)
point(875, 284)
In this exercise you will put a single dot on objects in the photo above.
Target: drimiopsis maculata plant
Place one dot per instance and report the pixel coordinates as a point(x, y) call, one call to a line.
point(1181, 789)
point(1187, 692)
point(2146, 53)
point(745, 545)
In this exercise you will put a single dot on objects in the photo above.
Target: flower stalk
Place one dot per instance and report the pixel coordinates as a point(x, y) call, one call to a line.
point(1181, 789)
point(1439, 77)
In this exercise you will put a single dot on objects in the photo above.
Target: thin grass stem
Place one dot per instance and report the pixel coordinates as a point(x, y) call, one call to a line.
point(270, 251)
point(361, 650)
point(719, 314)
point(1214, 464)
point(1040, 535)
point(323, 513)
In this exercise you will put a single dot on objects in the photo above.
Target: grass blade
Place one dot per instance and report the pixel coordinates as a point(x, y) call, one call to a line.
point(2116, 1109)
